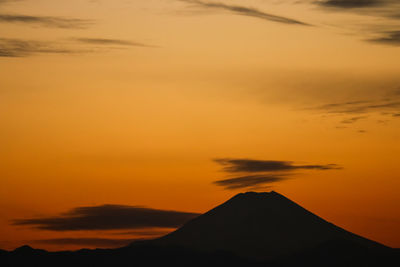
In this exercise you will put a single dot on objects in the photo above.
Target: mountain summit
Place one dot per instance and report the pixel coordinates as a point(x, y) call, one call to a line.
point(261, 226)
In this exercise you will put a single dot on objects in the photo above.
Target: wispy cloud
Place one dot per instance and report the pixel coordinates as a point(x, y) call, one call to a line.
point(245, 11)
point(352, 120)
point(380, 8)
point(24, 48)
point(350, 4)
point(387, 38)
point(8, 1)
point(109, 217)
point(251, 165)
point(249, 181)
point(382, 106)
point(387, 10)
point(46, 21)
point(261, 173)
point(109, 42)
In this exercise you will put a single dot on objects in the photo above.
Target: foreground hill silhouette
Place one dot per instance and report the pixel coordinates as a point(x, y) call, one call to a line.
point(251, 229)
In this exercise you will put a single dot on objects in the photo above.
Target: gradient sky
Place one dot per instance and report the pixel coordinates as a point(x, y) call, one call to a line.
point(141, 109)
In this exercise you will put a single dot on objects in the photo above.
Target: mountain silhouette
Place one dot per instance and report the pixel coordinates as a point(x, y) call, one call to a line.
point(260, 226)
point(251, 229)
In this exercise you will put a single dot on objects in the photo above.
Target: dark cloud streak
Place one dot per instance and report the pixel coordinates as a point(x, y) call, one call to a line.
point(352, 120)
point(46, 21)
point(246, 11)
point(388, 38)
point(251, 165)
point(350, 4)
point(387, 10)
point(260, 174)
point(24, 48)
point(8, 1)
point(109, 217)
point(103, 41)
point(249, 181)
point(362, 107)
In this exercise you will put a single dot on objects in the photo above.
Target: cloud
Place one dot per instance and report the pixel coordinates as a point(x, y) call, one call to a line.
point(388, 12)
point(352, 120)
point(251, 165)
point(388, 38)
point(24, 48)
point(102, 41)
point(46, 21)
point(383, 106)
point(93, 242)
point(380, 8)
point(8, 1)
point(343, 98)
point(387, 107)
point(267, 172)
point(249, 181)
point(245, 11)
point(352, 3)
point(380, 107)
point(109, 217)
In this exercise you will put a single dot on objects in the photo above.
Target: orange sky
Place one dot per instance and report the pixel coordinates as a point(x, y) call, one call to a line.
point(129, 102)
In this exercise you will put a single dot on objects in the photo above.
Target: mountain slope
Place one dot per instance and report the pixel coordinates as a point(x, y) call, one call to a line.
point(259, 226)
point(251, 229)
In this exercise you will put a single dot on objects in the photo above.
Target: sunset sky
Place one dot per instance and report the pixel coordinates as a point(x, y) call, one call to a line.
point(122, 119)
